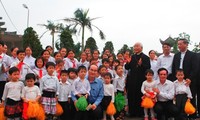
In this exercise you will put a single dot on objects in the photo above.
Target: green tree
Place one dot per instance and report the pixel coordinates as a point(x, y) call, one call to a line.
point(30, 38)
point(77, 50)
point(124, 48)
point(91, 43)
point(196, 48)
point(81, 19)
point(53, 28)
point(109, 46)
point(65, 41)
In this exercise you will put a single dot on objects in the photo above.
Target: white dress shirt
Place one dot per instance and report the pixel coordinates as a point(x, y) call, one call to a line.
point(85, 63)
point(30, 61)
point(109, 91)
point(31, 93)
point(166, 91)
point(50, 83)
point(5, 62)
point(165, 62)
point(182, 88)
point(13, 90)
point(154, 68)
point(68, 63)
point(65, 91)
point(119, 83)
point(25, 69)
point(81, 86)
point(181, 60)
point(14, 59)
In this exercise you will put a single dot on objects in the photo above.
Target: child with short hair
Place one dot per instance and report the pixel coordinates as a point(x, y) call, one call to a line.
point(182, 93)
point(109, 94)
point(23, 67)
point(49, 87)
point(119, 83)
point(80, 88)
point(72, 74)
point(64, 95)
point(12, 95)
point(102, 70)
point(106, 62)
point(30, 92)
point(147, 89)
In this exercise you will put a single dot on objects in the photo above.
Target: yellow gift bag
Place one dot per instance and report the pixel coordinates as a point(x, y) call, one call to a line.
point(189, 108)
point(59, 110)
point(111, 109)
point(41, 113)
point(32, 110)
point(147, 102)
point(2, 117)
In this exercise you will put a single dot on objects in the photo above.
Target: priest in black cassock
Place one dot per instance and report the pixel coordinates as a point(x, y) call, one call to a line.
point(137, 65)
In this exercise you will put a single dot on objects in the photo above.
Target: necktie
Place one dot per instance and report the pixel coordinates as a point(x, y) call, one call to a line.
point(1, 57)
point(58, 74)
point(40, 73)
point(73, 63)
point(19, 66)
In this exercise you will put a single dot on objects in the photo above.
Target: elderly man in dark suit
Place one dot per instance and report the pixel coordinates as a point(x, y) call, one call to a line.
point(137, 64)
point(186, 60)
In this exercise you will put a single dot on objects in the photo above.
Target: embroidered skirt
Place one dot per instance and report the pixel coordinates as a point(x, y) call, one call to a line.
point(13, 108)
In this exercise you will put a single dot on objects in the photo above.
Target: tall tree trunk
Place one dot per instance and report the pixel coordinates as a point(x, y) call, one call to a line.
point(83, 31)
point(53, 42)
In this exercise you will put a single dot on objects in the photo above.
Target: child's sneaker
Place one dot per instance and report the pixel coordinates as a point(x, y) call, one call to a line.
point(153, 118)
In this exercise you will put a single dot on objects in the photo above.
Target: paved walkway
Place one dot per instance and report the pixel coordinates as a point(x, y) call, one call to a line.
point(133, 118)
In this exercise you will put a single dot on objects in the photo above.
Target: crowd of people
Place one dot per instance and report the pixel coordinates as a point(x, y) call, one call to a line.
point(85, 88)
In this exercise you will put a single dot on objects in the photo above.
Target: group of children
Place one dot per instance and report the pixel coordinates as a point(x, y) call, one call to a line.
point(66, 91)
point(63, 80)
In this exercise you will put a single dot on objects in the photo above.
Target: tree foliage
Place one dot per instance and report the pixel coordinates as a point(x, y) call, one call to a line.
point(53, 28)
point(30, 38)
point(125, 48)
point(91, 43)
point(109, 46)
point(82, 20)
point(65, 41)
point(196, 48)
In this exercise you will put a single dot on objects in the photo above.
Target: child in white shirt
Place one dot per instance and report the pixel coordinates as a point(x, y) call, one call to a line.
point(30, 93)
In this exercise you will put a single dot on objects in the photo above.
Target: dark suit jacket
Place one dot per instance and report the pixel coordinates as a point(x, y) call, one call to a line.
point(198, 72)
point(137, 73)
point(190, 65)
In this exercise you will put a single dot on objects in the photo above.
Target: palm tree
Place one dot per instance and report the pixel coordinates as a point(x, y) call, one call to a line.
point(53, 28)
point(81, 19)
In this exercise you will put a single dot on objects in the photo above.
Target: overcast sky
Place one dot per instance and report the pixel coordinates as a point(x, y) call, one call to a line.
point(123, 21)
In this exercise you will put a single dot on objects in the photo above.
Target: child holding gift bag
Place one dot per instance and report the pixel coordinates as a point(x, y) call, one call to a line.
point(182, 93)
point(147, 89)
point(30, 93)
point(109, 96)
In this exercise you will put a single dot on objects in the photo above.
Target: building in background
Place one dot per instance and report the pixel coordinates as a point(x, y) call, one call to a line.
point(11, 39)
